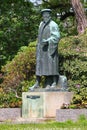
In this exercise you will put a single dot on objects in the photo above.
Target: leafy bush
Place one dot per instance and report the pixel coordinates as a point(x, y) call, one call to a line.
point(16, 74)
point(73, 64)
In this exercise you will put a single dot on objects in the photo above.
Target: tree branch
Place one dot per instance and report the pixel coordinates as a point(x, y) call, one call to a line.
point(58, 5)
point(67, 14)
point(16, 94)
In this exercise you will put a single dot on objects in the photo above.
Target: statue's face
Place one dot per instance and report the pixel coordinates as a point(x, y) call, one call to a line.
point(46, 16)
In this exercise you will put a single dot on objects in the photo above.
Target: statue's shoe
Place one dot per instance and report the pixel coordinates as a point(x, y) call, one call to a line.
point(53, 85)
point(47, 87)
point(35, 86)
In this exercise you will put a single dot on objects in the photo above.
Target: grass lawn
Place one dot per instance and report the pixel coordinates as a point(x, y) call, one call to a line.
point(68, 125)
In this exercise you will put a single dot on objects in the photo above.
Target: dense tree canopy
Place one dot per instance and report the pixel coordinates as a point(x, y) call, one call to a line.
point(18, 25)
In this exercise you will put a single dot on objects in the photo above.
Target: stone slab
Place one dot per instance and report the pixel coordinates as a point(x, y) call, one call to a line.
point(63, 115)
point(9, 114)
point(43, 104)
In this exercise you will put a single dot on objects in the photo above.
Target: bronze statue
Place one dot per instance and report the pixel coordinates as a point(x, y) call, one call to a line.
point(47, 51)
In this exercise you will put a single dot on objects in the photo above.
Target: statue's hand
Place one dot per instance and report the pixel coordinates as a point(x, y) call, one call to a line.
point(44, 42)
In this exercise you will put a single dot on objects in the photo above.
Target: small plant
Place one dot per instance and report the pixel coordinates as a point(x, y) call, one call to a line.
point(82, 118)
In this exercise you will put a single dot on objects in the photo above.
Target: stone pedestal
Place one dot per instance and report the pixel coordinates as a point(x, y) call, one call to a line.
point(43, 104)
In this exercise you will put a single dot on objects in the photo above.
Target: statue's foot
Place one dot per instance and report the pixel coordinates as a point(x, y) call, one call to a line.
point(36, 85)
point(47, 87)
point(53, 85)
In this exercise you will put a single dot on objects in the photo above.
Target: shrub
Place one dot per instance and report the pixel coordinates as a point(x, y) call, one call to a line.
point(73, 64)
point(17, 73)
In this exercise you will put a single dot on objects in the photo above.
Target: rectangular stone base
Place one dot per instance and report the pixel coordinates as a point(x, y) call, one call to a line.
point(63, 115)
point(43, 104)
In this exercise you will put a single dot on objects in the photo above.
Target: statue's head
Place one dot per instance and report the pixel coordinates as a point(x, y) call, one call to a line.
point(46, 14)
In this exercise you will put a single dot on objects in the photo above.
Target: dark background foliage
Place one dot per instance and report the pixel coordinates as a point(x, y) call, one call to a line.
point(18, 27)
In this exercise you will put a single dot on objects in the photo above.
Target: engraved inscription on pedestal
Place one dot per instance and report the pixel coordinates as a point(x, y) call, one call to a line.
point(32, 105)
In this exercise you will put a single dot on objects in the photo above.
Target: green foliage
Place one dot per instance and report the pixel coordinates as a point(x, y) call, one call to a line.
point(8, 99)
point(16, 74)
point(18, 25)
point(73, 64)
point(82, 118)
point(20, 68)
point(58, 5)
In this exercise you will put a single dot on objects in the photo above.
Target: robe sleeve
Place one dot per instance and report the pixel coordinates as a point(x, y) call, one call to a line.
point(54, 38)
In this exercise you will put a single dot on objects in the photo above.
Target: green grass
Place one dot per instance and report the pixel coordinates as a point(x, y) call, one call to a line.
point(81, 124)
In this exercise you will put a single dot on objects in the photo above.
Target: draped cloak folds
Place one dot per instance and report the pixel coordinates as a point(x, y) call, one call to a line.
point(47, 55)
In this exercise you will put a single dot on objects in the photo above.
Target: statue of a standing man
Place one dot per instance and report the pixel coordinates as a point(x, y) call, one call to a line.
point(47, 50)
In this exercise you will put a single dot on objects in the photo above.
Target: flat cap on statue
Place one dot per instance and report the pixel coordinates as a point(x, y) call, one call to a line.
point(46, 10)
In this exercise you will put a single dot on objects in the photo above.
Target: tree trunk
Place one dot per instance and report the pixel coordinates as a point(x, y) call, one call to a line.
point(80, 16)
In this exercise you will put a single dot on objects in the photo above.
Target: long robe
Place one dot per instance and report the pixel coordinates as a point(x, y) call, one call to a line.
point(47, 56)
